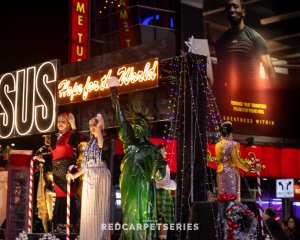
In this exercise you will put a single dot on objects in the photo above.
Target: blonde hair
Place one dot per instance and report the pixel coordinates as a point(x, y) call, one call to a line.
point(93, 123)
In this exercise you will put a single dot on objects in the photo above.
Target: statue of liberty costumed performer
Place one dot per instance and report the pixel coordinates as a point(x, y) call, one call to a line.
point(142, 164)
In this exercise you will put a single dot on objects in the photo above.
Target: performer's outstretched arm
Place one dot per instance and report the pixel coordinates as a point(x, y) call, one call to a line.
point(236, 158)
point(116, 105)
point(126, 132)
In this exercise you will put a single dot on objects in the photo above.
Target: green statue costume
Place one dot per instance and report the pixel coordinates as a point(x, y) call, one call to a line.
point(141, 166)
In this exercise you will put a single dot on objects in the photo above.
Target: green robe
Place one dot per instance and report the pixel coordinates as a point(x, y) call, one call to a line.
point(141, 166)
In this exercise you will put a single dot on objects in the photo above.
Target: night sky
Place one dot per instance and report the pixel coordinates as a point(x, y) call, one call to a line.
point(33, 32)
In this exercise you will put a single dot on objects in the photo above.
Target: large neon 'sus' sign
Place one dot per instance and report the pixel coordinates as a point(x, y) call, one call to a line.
point(27, 100)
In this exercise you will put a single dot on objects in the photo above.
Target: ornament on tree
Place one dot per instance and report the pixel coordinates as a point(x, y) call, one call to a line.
point(240, 222)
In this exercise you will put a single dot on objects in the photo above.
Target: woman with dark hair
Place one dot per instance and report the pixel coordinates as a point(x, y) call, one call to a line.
point(229, 163)
point(95, 203)
point(228, 177)
point(165, 205)
point(293, 229)
point(272, 227)
point(62, 155)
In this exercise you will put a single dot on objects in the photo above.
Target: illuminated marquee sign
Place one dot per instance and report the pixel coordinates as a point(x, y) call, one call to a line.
point(79, 33)
point(132, 77)
point(27, 100)
point(126, 36)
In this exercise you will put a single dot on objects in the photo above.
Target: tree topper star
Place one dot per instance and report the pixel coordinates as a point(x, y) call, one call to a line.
point(190, 44)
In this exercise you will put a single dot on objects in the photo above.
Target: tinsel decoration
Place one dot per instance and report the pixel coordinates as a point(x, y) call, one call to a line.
point(47, 236)
point(240, 222)
point(22, 236)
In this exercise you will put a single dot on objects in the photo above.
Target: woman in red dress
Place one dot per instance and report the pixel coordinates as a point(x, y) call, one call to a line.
point(63, 154)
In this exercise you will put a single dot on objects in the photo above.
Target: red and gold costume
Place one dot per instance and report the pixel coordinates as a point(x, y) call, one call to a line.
point(63, 149)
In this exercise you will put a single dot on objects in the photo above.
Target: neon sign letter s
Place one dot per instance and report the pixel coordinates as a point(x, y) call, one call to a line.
point(7, 91)
point(24, 103)
point(45, 103)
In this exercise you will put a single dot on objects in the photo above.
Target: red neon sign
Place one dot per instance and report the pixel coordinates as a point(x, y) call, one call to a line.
point(126, 35)
point(79, 30)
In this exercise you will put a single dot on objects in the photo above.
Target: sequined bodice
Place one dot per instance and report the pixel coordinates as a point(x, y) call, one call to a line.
point(227, 147)
point(92, 154)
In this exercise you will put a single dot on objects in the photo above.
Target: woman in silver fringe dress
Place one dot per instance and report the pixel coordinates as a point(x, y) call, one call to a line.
point(228, 176)
point(229, 163)
point(95, 205)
